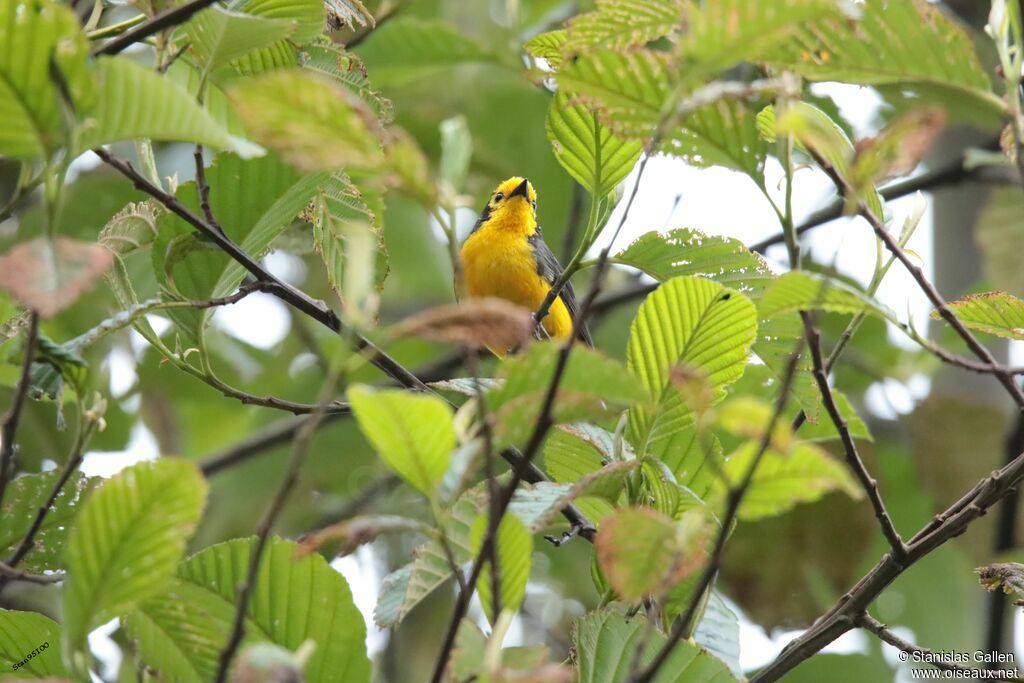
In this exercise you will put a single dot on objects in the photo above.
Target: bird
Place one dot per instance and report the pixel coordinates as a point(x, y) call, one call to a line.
point(505, 256)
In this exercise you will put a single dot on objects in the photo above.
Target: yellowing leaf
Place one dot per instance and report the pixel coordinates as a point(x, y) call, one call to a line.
point(48, 276)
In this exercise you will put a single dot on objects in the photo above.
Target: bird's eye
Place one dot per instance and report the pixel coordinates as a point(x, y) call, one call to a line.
point(498, 197)
point(534, 202)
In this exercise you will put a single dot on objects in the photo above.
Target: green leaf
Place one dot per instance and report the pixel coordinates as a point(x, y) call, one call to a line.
point(132, 228)
point(331, 61)
point(913, 44)
point(30, 645)
point(637, 551)
point(782, 481)
point(405, 588)
point(514, 550)
point(590, 383)
point(719, 632)
point(723, 133)
point(588, 151)
point(218, 36)
point(824, 429)
point(705, 327)
point(807, 291)
point(181, 631)
point(24, 497)
point(31, 31)
point(308, 16)
point(126, 541)
point(414, 434)
point(405, 48)
point(134, 102)
point(621, 24)
point(721, 34)
point(547, 46)
point(310, 121)
point(604, 642)
point(254, 200)
point(996, 313)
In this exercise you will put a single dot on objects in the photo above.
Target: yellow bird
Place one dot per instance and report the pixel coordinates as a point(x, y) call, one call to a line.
point(505, 256)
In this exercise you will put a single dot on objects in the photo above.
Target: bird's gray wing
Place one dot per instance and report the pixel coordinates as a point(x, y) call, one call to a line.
point(550, 269)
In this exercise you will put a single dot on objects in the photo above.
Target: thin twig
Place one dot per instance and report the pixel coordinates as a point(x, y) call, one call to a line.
point(300, 447)
point(12, 574)
point(681, 627)
point(9, 429)
point(166, 19)
point(853, 458)
point(493, 488)
point(203, 188)
point(869, 623)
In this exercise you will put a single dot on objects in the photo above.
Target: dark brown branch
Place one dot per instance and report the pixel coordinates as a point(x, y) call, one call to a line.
point(203, 188)
point(166, 19)
point(12, 574)
point(9, 429)
point(853, 459)
point(316, 310)
point(682, 626)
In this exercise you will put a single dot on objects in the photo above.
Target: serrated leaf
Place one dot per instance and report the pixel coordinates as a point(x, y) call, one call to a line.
point(331, 61)
point(414, 434)
point(605, 641)
point(784, 480)
point(181, 631)
point(49, 275)
point(723, 133)
point(588, 151)
point(24, 497)
point(30, 645)
point(547, 46)
point(132, 228)
point(996, 313)
point(636, 550)
point(807, 291)
point(134, 102)
point(514, 549)
point(218, 36)
point(406, 47)
point(913, 44)
point(621, 24)
point(31, 31)
point(310, 121)
point(126, 541)
point(699, 324)
point(590, 383)
point(308, 16)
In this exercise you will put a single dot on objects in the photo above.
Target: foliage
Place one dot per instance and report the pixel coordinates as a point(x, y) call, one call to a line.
point(308, 167)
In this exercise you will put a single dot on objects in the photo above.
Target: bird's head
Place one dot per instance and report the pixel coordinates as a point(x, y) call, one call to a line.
point(514, 201)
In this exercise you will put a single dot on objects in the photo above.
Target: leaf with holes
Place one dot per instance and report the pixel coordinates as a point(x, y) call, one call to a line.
point(784, 480)
point(48, 276)
point(704, 326)
point(31, 31)
point(413, 433)
point(589, 152)
point(604, 642)
point(135, 102)
point(514, 550)
point(30, 646)
point(132, 228)
point(621, 24)
point(126, 541)
point(912, 44)
point(24, 497)
point(331, 61)
point(181, 631)
point(996, 313)
point(310, 121)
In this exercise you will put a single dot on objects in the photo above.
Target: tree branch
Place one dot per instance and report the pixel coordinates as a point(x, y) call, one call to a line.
point(166, 19)
point(869, 623)
point(9, 429)
point(12, 574)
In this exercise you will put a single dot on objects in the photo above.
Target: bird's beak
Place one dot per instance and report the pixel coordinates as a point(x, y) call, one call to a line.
point(522, 190)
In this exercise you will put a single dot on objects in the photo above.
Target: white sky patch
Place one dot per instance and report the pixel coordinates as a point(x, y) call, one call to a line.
point(259, 319)
point(362, 569)
point(142, 445)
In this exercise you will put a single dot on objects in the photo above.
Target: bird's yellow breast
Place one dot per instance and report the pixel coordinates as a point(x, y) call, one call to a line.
point(499, 262)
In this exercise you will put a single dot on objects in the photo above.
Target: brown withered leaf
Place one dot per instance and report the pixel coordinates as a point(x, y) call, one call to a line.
point(474, 323)
point(899, 147)
point(355, 532)
point(48, 276)
point(1006, 575)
